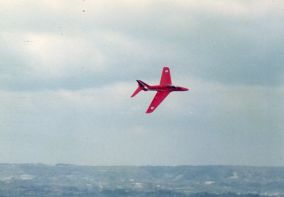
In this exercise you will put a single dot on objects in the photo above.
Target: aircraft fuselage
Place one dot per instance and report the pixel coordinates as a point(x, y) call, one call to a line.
point(168, 88)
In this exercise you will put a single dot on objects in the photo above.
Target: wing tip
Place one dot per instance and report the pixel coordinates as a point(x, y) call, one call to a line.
point(166, 69)
point(150, 110)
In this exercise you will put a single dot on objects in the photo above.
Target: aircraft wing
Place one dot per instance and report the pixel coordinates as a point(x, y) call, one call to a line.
point(159, 97)
point(166, 77)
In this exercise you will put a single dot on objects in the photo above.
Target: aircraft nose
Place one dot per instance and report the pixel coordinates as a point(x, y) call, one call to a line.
point(185, 89)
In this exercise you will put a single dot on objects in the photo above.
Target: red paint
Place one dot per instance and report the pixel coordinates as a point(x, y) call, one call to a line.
point(163, 90)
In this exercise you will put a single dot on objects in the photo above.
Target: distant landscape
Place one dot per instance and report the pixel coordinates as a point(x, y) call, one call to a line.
point(107, 181)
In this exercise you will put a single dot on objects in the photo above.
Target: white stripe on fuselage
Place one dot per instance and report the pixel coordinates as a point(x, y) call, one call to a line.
point(156, 89)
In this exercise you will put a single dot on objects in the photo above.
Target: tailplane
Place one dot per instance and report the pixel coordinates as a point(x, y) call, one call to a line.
point(141, 86)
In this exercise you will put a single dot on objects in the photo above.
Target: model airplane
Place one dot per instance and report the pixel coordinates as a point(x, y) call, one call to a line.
point(163, 90)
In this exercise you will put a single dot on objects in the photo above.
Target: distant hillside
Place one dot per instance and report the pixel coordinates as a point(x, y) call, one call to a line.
point(186, 180)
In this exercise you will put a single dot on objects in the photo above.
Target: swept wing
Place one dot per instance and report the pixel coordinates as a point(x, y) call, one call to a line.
point(166, 77)
point(159, 97)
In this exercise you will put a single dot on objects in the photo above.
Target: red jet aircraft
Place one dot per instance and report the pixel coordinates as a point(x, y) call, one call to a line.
point(163, 90)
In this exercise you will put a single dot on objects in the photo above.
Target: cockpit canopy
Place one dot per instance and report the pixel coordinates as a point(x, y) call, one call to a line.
point(173, 87)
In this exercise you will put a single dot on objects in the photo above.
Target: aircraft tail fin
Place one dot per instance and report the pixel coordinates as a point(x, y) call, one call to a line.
point(142, 83)
point(141, 86)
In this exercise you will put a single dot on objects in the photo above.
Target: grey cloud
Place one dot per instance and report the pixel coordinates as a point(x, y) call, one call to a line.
point(230, 49)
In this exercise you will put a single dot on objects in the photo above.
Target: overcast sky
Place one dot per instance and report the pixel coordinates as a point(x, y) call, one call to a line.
point(68, 69)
